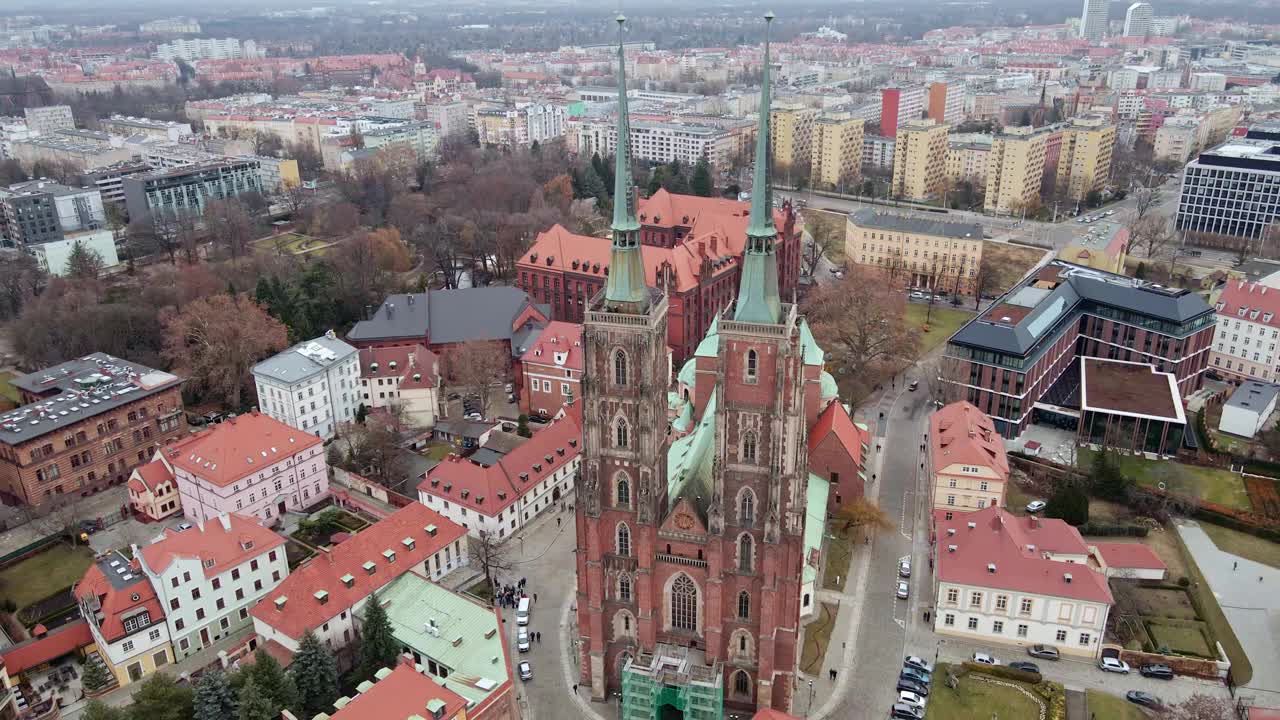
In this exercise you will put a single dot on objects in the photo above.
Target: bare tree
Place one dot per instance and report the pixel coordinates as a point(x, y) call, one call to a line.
point(227, 222)
point(944, 379)
point(859, 321)
point(492, 554)
point(825, 236)
point(53, 518)
point(864, 513)
point(375, 448)
point(476, 365)
point(985, 280)
point(1152, 234)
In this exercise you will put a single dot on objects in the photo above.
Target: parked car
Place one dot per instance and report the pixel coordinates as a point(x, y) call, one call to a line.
point(918, 663)
point(906, 697)
point(522, 640)
point(1153, 670)
point(903, 711)
point(184, 526)
point(912, 686)
point(1025, 666)
point(526, 671)
point(1036, 506)
point(88, 527)
point(477, 417)
point(1113, 665)
point(914, 384)
point(904, 569)
point(915, 675)
point(903, 590)
point(985, 659)
point(1137, 697)
point(916, 294)
point(1044, 652)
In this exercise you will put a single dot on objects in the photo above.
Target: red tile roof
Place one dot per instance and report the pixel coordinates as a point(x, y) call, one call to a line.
point(401, 695)
point(118, 602)
point(38, 651)
point(240, 446)
point(324, 572)
point(1129, 555)
point(488, 490)
point(1015, 545)
point(146, 478)
point(835, 420)
point(961, 433)
point(1240, 295)
point(410, 360)
point(227, 541)
point(558, 339)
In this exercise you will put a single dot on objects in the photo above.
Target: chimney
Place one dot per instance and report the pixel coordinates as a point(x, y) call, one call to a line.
point(951, 548)
point(991, 568)
point(1066, 578)
point(322, 597)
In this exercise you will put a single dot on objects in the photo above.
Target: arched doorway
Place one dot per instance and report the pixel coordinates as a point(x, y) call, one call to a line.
point(555, 494)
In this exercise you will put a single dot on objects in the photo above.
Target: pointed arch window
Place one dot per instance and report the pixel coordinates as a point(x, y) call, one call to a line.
point(619, 367)
point(749, 447)
point(741, 683)
point(624, 540)
point(745, 550)
point(684, 604)
point(753, 365)
point(747, 508)
point(744, 605)
point(624, 588)
point(621, 433)
point(622, 492)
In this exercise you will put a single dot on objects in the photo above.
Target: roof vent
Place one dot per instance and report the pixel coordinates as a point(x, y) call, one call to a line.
point(280, 601)
point(991, 568)
point(322, 597)
point(951, 548)
point(951, 531)
point(1067, 578)
point(431, 530)
point(973, 525)
point(347, 580)
point(1031, 548)
point(390, 555)
point(408, 543)
point(370, 568)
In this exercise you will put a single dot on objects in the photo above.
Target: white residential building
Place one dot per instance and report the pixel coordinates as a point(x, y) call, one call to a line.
point(660, 141)
point(124, 616)
point(206, 49)
point(1247, 332)
point(52, 255)
point(1137, 20)
point(49, 119)
point(312, 386)
point(1248, 408)
point(208, 576)
point(877, 152)
point(1093, 20)
point(405, 376)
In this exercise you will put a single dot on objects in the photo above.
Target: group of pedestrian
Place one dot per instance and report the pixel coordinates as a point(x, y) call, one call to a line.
point(508, 596)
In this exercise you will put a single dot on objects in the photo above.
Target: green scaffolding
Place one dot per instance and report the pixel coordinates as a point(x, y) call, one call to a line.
point(644, 696)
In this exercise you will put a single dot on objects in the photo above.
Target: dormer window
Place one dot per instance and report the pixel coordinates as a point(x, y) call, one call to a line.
point(1241, 312)
point(1267, 317)
point(1253, 315)
point(1219, 306)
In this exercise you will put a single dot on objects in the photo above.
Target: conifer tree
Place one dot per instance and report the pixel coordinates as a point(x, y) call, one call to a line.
point(378, 649)
point(214, 699)
point(315, 674)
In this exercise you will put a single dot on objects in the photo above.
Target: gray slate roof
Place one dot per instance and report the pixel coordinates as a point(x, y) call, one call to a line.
point(868, 218)
point(305, 359)
point(1253, 395)
point(447, 316)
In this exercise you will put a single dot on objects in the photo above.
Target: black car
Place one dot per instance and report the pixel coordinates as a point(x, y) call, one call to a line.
point(1025, 667)
point(1137, 697)
point(1160, 672)
point(913, 686)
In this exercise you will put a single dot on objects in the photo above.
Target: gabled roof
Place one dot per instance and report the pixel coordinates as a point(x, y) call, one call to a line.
point(146, 478)
point(240, 446)
point(560, 344)
point(221, 544)
point(122, 590)
point(402, 694)
point(1259, 303)
point(40, 650)
point(961, 433)
point(835, 422)
point(325, 571)
point(447, 316)
point(408, 360)
point(1123, 555)
point(489, 489)
point(1016, 546)
point(689, 462)
point(305, 359)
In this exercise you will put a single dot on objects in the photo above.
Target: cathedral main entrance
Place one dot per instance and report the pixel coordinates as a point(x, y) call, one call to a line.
point(671, 683)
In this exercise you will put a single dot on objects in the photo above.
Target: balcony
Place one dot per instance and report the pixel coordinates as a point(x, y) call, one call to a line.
point(681, 560)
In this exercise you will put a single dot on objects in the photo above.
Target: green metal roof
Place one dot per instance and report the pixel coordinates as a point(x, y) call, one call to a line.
point(710, 345)
point(688, 372)
point(674, 400)
point(815, 522)
point(827, 385)
point(625, 288)
point(412, 601)
point(684, 419)
point(689, 461)
point(813, 353)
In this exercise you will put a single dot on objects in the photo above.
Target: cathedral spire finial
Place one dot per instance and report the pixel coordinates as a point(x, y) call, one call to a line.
point(758, 285)
point(625, 288)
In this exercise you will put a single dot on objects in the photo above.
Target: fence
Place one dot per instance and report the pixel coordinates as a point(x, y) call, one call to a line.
point(26, 551)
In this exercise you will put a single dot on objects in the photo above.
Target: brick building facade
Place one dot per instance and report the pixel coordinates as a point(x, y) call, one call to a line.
point(85, 425)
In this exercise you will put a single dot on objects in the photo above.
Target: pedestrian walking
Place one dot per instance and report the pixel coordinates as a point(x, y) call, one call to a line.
point(1259, 578)
point(557, 522)
point(1235, 564)
point(575, 688)
point(535, 597)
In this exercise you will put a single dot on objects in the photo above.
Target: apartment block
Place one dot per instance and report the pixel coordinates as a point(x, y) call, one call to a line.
point(1244, 343)
point(791, 136)
point(1015, 168)
point(520, 125)
point(206, 49)
point(1137, 20)
point(661, 141)
point(877, 152)
point(84, 425)
point(837, 150)
point(1084, 161)
point(897, 106)
point(916, 252)
point(946, 102)
point(1179, 138)
point(920, 160)
point(1093, 20)
point(189, 188)
point(312, 386)
point(49, 119)
point(967, 161)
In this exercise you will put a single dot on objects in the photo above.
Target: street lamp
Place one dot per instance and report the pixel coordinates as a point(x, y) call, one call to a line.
point(809, 707)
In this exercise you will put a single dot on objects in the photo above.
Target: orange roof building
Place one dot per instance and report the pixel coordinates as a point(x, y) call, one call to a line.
point(153, 490)
point(691, 246)
point(967, 459)
point(402, 694)
point(125, 617)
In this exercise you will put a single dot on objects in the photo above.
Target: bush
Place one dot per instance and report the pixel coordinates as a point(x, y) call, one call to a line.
point(1184, 581)
point(1113, 529)
point(1004, 672)
point(1069, 504)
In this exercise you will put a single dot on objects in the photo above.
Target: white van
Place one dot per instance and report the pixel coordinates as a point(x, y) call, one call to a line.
point(522, 612)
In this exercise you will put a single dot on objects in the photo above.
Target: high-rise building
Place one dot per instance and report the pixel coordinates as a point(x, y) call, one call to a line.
point(897, 106)
point(1093, 20)
point(920, 160)
point(946, 102)
point(1084, 161)
point(692, 539)
point(792, 139)
point(50, 118)
point(1015, 168)
point(837, 150)
point(1137, 20)
point(1233, 189)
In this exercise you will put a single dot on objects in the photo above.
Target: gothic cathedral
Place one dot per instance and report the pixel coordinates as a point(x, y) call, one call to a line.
point(691, 515)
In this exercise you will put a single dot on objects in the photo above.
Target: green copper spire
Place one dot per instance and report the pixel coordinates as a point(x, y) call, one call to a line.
point(758, 299)
point(625, 288)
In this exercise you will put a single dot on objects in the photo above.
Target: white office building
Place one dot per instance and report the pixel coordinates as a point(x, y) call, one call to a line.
point(1093, 20)
point(1233, 189)
point(1137, 20)
point(312, 386)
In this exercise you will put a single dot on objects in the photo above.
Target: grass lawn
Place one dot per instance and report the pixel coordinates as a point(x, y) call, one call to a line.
point(1185, 640)
point(438, 452)
point(829, 222)
point(1245, 545)
point(7, 390)
point(1159, 602)
point(287, 243)
point(943, 322)
point(1209, 484)
point(839, 553)
point(975, 699)
point(817, 635)
point(1241, 668)
point(1105, 706)
point(1016, 499)
point(40, 576)
point(1010, 261)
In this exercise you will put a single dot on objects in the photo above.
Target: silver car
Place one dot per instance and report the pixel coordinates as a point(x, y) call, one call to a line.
point(903, 590)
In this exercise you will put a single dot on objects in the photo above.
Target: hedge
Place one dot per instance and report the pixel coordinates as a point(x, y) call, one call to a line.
point(1113, 529)
point(1004, 671)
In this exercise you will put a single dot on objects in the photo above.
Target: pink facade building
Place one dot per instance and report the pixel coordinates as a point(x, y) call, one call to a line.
point(252, 465)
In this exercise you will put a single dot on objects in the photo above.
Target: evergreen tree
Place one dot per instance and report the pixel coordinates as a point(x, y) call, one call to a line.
point(597, 164)
point(96, 676)
point(701, 184)
point(160, 697)
point(675, 181)
point(254, 703)
point(1069, 504)
point(84, 263)
point(263, 293)
point(522, 426)
point(214, 698)
point(378, 649)
point(1108, 481)
point(315, 673)
point(657, 179)
point(535, 148)
point(273, 682)
point(98, 710)
point(593, 186)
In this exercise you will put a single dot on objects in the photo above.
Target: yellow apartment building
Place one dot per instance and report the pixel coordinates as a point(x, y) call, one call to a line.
point(920, 160)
